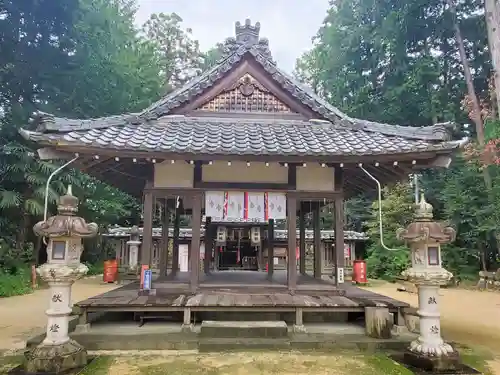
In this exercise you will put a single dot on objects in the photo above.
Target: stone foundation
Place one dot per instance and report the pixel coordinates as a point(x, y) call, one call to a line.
point(55, 358)
point(450, 362)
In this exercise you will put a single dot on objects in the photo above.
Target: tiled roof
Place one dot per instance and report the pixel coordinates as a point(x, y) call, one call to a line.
point(279, 234)
point(154, 128)
point(222, 136)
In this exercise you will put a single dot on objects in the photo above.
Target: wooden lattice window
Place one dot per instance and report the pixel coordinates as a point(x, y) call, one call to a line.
point(246, 95)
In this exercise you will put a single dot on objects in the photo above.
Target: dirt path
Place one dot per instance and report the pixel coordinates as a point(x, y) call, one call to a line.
point(467, 316)
point(22, 316)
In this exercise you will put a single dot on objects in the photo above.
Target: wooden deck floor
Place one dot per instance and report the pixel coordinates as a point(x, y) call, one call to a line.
point(247, 291)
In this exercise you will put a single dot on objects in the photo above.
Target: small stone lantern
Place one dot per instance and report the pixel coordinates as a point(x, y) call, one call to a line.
point(133, 249)
point(58, 353)
point(425, 236)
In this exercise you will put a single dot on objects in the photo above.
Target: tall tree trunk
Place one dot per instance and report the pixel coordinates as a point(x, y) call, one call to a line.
point(476, 108)
point(492, 11)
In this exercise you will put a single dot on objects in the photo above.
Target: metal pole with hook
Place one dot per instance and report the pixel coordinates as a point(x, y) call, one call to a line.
point(46, 206)
point(379, 188)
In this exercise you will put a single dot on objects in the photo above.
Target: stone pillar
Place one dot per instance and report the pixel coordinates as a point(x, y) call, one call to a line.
point(425, 237)
point(57, 352)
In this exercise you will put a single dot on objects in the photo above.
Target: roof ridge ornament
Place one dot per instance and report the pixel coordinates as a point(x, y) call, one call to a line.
point(247, 34)
point(247, 37)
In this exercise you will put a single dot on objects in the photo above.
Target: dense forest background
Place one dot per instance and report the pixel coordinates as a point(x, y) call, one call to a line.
point(388, 61)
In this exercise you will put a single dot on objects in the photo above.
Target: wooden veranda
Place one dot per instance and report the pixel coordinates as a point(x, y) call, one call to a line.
point(239, 291)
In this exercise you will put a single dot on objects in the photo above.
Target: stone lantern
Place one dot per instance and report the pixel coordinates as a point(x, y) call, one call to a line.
point(425, 237)
point(133, 249)
point(58, 353)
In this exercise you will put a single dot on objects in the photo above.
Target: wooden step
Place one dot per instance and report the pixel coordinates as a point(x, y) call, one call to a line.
point(244, 329)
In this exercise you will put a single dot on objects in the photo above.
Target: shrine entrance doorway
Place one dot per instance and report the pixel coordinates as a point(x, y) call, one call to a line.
point(238, 252)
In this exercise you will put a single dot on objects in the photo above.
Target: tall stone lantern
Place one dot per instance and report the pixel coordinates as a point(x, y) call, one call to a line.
point(58, 353)
point(425, 237)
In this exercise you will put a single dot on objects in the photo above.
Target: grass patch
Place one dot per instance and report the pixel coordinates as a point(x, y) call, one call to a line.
point(383, 365)
point(477, 359)
point(7, 363)
point(99, 366)
point(252, 363)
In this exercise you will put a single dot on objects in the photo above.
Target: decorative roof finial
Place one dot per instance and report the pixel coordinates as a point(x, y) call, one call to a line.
point(68, 203)
point(247, 34)
point(424, 210)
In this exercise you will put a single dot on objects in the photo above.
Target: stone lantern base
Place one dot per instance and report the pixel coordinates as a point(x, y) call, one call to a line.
point(449, 362)
point(55, 358)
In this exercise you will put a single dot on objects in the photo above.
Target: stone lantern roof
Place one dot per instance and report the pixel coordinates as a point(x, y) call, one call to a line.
point(423, 228)
point(65, 223)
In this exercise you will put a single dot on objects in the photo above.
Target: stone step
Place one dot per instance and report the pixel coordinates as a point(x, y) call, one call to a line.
point(244, 329)
point(242, 344)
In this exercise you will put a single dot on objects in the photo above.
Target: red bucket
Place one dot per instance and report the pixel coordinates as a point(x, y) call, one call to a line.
point(110, 271)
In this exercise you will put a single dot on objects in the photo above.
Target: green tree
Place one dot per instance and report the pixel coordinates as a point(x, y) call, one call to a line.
point(397, 212)
point(179, 54)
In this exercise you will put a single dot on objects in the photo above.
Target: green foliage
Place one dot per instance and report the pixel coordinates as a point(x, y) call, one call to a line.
point(178, 53)
point(398, 63)
point(17, 283)
point(397, 212)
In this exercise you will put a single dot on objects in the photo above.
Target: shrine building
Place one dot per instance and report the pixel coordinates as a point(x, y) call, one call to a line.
point(242, 148)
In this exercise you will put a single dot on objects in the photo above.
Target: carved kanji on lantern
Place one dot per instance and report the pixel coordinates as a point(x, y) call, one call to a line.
point(425, 237)
point(64, 231)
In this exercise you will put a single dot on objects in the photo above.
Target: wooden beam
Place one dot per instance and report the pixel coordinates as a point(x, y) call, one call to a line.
point(164, 240)
point(292, 243)
point(208, 245)
point(270, 249)
point(175, 243)
point(302, 239)
point(195, 243)
point(261, 186)
point(318, 257)
point(147, 236)
point(339, 240)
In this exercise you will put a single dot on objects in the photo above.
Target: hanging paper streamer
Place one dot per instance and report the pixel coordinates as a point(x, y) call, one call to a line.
point(235, 205)
point(214, 204)
point(276, 205)
point(255, 204)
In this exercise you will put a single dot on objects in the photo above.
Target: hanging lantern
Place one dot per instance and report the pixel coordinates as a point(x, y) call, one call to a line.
point(255, 235)
point(221, 236)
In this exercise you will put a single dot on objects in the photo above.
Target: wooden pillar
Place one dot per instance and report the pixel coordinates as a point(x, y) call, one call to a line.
point(164, 240)
point(292, 242)
point(147, 235)
point(216, 250)
point(339, 227)
point(175, 242)
point(195, 243)
point(260, 251)
point(318, 256)
point(302, 239)
point(270, 249)
point(208, 245)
